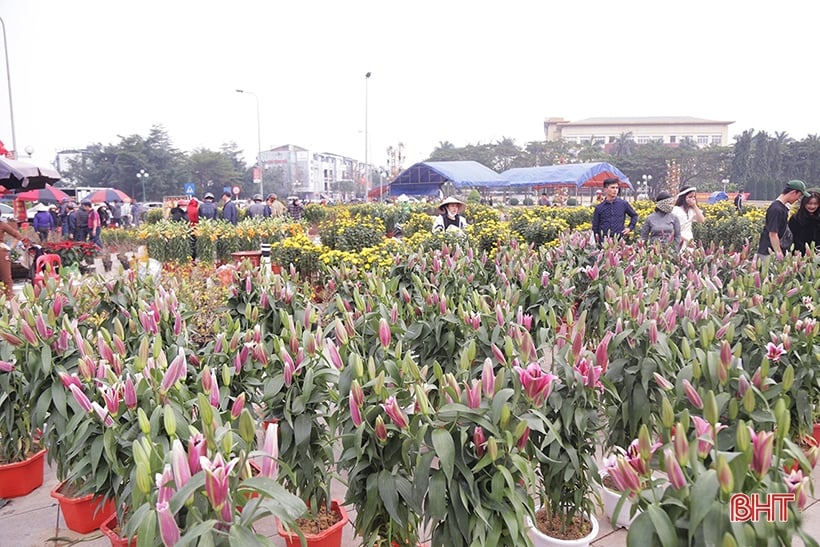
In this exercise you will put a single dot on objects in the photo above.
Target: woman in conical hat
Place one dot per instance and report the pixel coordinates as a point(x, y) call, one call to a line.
point(451, 217)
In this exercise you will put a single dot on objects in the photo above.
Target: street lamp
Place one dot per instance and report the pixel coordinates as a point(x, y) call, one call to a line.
point(366, 167)
point(725, 182)
point(647, 179)
point(8, 80)
point(258, 142)
point(142, 176)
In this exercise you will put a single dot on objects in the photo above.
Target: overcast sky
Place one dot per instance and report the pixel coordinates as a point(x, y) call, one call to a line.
point(86, 71)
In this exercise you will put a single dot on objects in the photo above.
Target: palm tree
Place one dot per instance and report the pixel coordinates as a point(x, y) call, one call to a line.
point(624, 145)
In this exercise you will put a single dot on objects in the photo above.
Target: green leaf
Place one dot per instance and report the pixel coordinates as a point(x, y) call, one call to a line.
point(240, 535)
point(437, 498)
point(704, 493)
point(641, 532)
point(445, 450)
point(663, 526)
point(389, 495)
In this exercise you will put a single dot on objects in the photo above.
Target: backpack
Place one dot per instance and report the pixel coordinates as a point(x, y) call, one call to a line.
point(786, 240)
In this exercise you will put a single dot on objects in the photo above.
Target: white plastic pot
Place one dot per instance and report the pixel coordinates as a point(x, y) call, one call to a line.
point(540, 539)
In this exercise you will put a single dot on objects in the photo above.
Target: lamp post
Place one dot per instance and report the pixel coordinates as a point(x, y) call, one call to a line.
point(8, 80)
point(366, 166)
point(142, 176)
point(258, 142)
point(724, 182)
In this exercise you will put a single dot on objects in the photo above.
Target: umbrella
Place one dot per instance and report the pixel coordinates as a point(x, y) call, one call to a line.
point(107, 194)
point(16, 175)
point(49, 194)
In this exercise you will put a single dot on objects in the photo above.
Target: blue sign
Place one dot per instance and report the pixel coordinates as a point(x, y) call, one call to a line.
point(190, 188)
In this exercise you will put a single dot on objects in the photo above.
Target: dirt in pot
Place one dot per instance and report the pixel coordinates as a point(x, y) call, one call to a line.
point(609, 483)
point(553, 526)
point(324, 520)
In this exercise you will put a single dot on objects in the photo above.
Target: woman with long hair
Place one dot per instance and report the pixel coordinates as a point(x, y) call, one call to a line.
point(687, 212)
point(805, 223)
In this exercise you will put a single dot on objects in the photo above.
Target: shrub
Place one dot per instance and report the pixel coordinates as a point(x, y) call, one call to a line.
point(528, 202)
point(572, 202)
point(513, 201)
point(315, 213)
point(152, 216)
point(417, 223)
point(474, 196)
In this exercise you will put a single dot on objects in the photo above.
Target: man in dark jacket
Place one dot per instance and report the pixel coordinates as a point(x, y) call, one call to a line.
point(207, 209)
point(229, 211)
point(609, 216)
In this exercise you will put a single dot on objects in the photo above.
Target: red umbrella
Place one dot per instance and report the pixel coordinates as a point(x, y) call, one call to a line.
point(49, 194)
point(108, 194)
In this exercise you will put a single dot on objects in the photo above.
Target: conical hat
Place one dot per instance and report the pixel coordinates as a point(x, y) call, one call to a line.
point(452, 199)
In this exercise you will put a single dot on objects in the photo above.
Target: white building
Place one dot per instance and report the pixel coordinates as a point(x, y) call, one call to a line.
point(670, 130)
point(311, 174)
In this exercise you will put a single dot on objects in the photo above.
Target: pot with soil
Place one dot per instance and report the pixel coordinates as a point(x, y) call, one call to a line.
point(82, 514)
point(323, 530)
point(112, 530)
point(550, 531)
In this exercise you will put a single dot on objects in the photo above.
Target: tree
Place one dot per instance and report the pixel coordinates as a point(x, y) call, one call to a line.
point(624, 145)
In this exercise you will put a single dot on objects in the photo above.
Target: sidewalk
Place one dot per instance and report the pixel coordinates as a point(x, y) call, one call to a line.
point(34, 520)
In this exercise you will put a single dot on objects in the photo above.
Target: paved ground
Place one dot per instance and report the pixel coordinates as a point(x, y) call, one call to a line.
point(35, 520)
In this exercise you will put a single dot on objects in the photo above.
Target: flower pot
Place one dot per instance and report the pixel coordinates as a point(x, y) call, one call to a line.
point(20, 478)
point(816, 433)
point(254, 256)
point(109, 526)
point(540, 539)
point(331, 537)
point(611, 499)
point(275, 268)
point(83, 514)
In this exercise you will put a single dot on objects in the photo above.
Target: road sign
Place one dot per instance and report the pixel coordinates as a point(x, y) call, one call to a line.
point(235, 190)
point(190, 188)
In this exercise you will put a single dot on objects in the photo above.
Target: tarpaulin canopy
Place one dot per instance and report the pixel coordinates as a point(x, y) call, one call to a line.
point(426, 178)
point(714, 197)
point(579, 175)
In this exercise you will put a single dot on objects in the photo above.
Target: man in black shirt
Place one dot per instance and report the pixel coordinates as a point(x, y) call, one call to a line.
point(609, 215)
point(776, 234)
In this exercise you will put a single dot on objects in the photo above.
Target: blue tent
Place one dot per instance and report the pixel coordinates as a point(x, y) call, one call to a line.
point(579, 175)
point(426, 178)
point(714, 197)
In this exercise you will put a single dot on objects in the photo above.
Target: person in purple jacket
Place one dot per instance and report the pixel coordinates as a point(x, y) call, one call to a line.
point(43, 222)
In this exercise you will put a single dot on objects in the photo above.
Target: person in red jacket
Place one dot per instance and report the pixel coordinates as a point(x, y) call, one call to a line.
point(193, 211)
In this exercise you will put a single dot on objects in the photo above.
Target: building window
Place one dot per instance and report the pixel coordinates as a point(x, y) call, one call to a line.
point(717, 139)
point(584, 140)
point(599, 140)
point(672, 139)
point(657, 139)
point(640, 139)
point(703, 139)
point(613, 140)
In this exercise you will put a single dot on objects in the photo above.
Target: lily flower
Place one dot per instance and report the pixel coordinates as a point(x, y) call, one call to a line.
point(238, 405)
point(488, 378)
point(773, 353)
point(391, 406)
point(537, 384)
point(176, 371)
point(197, 447)
point(706, 438)
point(797, 484)
point(692, 394)
point(5, 366)
point(168, 528)
point(479, 441)
point(380, 429)
point(762, 450)
point(217, 478)
point(179, 464)
point(673, 470)
point(384, 332)
point(270, 463)
point(80, 397)
point(165, 484)
point(473, 394)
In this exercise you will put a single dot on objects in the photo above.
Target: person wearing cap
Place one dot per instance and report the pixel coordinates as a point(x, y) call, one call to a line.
point(229, 211)
point(257, 208)
point(776, 235)
point(662, 225)
point(609, 217)
point(43, 222)
point(805, 223)
point(207, 209)
point(451, 217)
point(274, 207)
point(687, 212)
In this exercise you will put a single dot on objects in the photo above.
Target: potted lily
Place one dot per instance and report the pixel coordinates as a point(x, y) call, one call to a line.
point(565, 453)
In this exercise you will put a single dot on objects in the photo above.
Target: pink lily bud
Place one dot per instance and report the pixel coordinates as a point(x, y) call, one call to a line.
point(177, 323)
point(5, 366)
point(206, 379)
point(217, 479)
point(248, 284)
point(341, 332)
point(179, 464)
point(355, 411)
point(28, 333)
point(762, 450)
point(797, 484)
point(40, 325)
point(473, 394)
point(270, 447)
point(57, 305)
point(601, 356)
point(213, 396)
point(681, 444)
point(384, 333)
point(706, 437)
point(220, 340)
point(724, 474)
point(405, 296)
point(391, 406)
point(498, 354)
point(673, 470)
point(65, 378)
point(692, 394)
point(197, 447)
point(813, 455)
point(111, 396)
point(289, 370)
point(102, 413)
point(165, 482)
point(499, 315)
point(11, 339)
point(80, 397)
point(488, 378)
point(168, 528)
point(653, 332)
point(590, 375)
point(523, 439)
point(176, 371)
point(243, 354)
point(380, 429)
point(331, 353)
point(238, 405)
point(725, 354)
point(356, 392)
point(130, 393)
point(394, 313)
point(662, 382)
point(479, 441)
point(626, 477)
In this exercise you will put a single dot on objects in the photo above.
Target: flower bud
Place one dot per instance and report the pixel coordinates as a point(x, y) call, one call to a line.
point(380, 430)
point(692, 394)
point(492, 448)
point(724, 475)
point(788, 378)
point(144, 423)
point(170, 420)
point(742, 437)
point(710, 408)
point(667, 414)
point(681, 444)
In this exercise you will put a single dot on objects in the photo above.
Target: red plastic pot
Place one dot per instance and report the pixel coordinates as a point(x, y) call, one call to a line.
point(254, 256)
point(83, 514)
point(332, 537)
point(816, 433)
point(20, 478)
point(108, 526)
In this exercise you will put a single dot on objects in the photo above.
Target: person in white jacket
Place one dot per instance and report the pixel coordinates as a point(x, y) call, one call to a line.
point(687, 212)
point(451, 217)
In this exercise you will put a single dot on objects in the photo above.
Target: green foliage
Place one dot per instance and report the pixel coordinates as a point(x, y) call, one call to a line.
point(513, 201)
point(315, 213)
point(528, 201)
point(572, 202)
point(417, 223)
point(154, 215)
point(474, 196)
